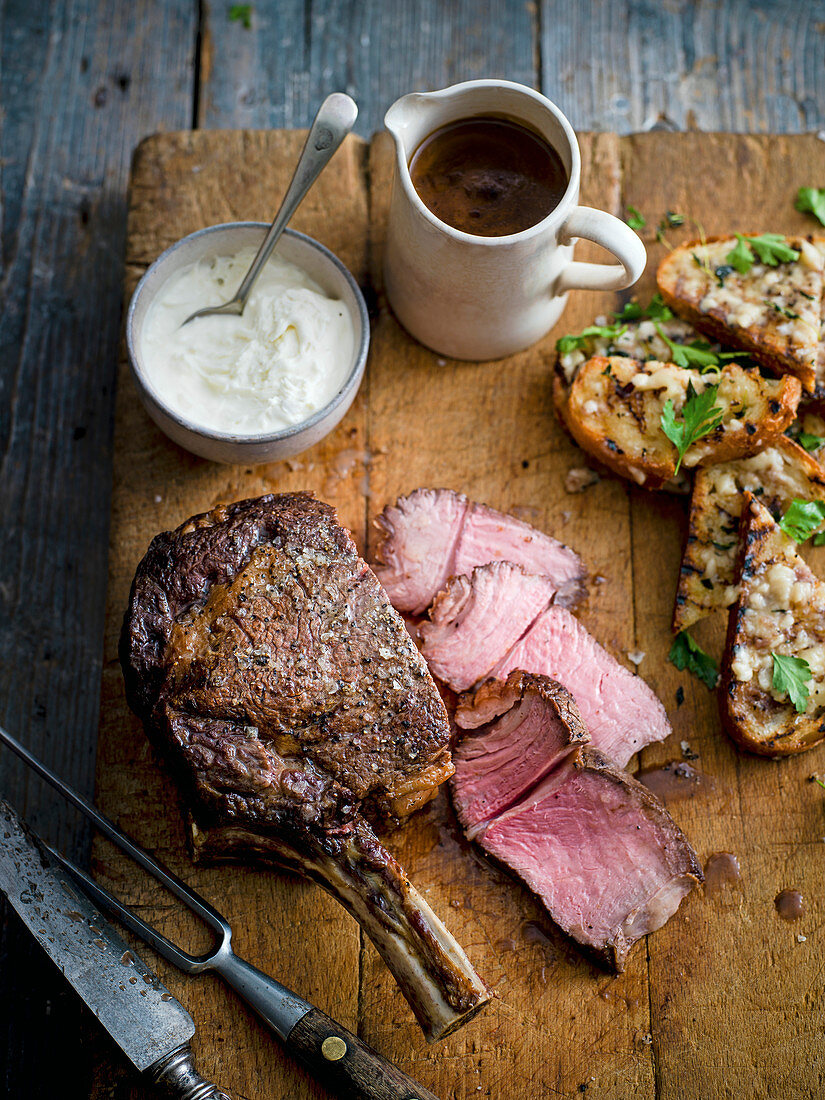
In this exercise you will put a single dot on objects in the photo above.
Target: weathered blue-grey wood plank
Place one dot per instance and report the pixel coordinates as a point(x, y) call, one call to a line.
point(736, 65)
point(81, 81)
point(277, 72)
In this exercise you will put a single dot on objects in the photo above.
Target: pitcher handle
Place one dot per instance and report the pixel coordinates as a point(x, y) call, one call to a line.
point(610, 233)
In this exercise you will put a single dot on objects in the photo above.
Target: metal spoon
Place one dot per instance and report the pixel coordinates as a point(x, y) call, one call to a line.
point(336, 117)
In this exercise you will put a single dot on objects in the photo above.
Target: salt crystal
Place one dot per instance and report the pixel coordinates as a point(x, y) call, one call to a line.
point(801, 939)
point(636, 656)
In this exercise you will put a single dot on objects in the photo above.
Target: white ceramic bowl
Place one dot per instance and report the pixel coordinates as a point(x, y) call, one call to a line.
point(224, 240)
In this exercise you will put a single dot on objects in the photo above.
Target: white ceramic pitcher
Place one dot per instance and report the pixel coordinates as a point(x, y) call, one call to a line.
point(471, 297)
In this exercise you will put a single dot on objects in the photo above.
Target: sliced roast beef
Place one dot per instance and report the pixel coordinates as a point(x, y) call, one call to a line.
point(434, 534)
point(600, 851)
point(266, 662)
point(620, 711)
point(523, 728)
point(476, 618)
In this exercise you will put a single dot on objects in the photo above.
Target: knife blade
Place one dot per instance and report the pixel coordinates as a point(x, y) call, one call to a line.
point(149, 1025)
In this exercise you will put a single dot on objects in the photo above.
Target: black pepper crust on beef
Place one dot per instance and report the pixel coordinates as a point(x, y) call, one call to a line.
point(266, 661)
point(257, 641)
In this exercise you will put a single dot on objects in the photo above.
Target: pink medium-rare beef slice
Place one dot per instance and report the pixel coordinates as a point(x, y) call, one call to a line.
point(476, 619)
point(419, 536)
point(522, 729)
point(433, 534)
point(488, 535)
point(600, 851)
point(620, 711)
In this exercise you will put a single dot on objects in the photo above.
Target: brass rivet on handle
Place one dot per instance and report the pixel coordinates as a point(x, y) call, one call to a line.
point(333, 1048)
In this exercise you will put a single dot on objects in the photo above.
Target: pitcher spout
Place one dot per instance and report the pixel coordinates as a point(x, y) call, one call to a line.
point(409, 120)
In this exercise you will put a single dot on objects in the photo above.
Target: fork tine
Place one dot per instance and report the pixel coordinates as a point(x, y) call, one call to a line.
point(184, 893)
point(191, 964)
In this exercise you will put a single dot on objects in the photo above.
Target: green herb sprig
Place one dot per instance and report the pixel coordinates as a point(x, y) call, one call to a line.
point(635, 220)
point(700, 416)
point(241, 13)
point(809, 442)
point(811, 200)
point(771, 248)
point(687, 654)
point(791, 676)
point(802, 518)
point(573, 342)
point(697, 354)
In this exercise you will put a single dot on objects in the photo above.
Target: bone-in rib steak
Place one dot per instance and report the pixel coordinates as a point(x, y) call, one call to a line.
point(266, 661)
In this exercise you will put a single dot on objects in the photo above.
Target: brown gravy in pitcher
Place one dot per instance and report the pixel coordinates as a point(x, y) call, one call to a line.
point(488, 176)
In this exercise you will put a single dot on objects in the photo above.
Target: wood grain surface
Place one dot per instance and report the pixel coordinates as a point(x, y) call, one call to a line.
point(726, 1000)
point(81, 83)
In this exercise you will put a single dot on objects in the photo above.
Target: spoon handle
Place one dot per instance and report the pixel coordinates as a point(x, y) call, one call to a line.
point(336, 117)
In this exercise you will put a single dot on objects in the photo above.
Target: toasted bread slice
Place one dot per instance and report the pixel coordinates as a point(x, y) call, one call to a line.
point(811, 421)
point(775, 313)
point(781, 473)
point(615, 407)
point(780, 610)
point(636, 340)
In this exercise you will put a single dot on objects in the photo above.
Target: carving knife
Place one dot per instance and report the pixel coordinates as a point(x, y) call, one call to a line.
point(144, 1019)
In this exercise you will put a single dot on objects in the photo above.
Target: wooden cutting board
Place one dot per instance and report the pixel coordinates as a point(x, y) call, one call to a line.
point(727, 999)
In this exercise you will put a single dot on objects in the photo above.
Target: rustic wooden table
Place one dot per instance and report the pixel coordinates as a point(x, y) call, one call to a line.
point(81, 83)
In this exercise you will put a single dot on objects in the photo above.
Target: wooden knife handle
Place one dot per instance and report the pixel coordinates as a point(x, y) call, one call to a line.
point(347, 1066)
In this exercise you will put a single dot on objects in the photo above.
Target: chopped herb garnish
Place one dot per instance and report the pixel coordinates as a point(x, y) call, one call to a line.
point(819, 780)
point(687, 654)
point(722, 272)
point(819, 540)
point(810, 442)
point(697, 354)
point(680, 695)
point(791, 676)
point(811, 200)
point(784, 310)
point(657, 310)
point(630, 311)
point(241, 13)
point(607, 371)
point(635, 220)
point(674, 220)
point(802, 519)
point(723, 546)
point(771, 248)
point(700, 416)
point(571, 343)
point(741, 258)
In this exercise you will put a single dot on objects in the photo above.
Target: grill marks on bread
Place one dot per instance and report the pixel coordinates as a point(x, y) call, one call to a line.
point(780, 609)
point(774, 313)
point(781, 473)
point(615, 407)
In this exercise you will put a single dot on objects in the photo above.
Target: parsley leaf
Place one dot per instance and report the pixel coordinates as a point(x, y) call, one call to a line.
point(771, 248)
point(241, 13)
point(630, 311)
point(687, 654)
point(783, 310)
point(810, 442)
point(697, 354)
point(741, 258)
point(819, 540)
point(657, 310)
point(791, 676)
point(699, 418)
point(571, 343)
point(811, 200)
point(636, 220)
point(802, 518)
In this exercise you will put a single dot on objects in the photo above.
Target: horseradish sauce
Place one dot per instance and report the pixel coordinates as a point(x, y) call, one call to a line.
point(488, 176)
point(271, 368)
